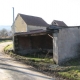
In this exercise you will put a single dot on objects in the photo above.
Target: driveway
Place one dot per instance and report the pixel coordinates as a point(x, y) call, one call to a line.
point(14, 70)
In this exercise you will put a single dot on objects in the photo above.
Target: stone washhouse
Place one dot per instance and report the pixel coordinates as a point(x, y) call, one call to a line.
point(31, 34)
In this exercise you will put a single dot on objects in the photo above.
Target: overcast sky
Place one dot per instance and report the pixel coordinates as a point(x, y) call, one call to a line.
point(64, 10)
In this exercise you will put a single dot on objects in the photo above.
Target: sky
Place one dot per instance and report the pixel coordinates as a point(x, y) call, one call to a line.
point(63, 10)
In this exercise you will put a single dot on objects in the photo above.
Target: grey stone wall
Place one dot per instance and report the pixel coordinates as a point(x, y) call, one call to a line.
point(68, 44)
point(34, 44)
point(55, 47)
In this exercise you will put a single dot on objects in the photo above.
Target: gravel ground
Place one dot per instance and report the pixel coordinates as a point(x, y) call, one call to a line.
point(15, 70)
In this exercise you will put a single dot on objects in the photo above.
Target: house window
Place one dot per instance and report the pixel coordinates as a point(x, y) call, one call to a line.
point(54, 23)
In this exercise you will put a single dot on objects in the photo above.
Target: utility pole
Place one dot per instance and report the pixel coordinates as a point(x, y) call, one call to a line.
point(13, 30)
point(13, 14)
point(13, 21)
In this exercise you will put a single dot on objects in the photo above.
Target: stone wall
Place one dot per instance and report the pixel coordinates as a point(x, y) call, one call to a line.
point(68, 44)
point(32, 27)
point(19, 25)
point(31, 44)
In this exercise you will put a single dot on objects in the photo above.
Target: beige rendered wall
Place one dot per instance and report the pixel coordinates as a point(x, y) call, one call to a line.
point(20, 25)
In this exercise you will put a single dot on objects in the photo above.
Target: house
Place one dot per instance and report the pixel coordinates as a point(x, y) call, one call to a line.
point(58, 23)
point(25, 23)
point(33, 36)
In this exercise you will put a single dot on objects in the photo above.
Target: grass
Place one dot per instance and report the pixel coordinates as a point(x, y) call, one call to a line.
point(70, 70)
point(35, 59)
point(8, 47)
point(5, 40)
point(71, 73)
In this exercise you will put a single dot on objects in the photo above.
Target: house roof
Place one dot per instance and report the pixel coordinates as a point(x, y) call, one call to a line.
point(37, 32)
point(32, 20)
point(59, 23)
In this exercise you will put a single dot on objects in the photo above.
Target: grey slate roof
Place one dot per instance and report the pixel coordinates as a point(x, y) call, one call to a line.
point(32, 20)
point(59, 23)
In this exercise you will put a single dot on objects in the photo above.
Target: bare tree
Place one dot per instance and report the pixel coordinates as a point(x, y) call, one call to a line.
point(3, 33)
point(10, 33)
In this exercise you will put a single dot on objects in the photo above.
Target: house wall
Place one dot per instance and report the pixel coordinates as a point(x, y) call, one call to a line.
point(31, 27)
point(20, 25)
point(68, 44)
point(32, 44)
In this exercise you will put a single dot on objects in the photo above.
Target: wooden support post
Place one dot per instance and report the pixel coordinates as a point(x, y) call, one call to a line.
point(13, 43)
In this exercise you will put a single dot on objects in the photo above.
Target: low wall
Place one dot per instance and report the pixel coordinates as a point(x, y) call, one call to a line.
point(5, 38)
point(31, 51)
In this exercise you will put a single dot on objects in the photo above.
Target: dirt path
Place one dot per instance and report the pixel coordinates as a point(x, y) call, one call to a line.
point(14, 70)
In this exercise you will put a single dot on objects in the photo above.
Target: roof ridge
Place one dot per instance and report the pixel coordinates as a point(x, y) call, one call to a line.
point(34, 20)
point(58, 20)
point(30, 15)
